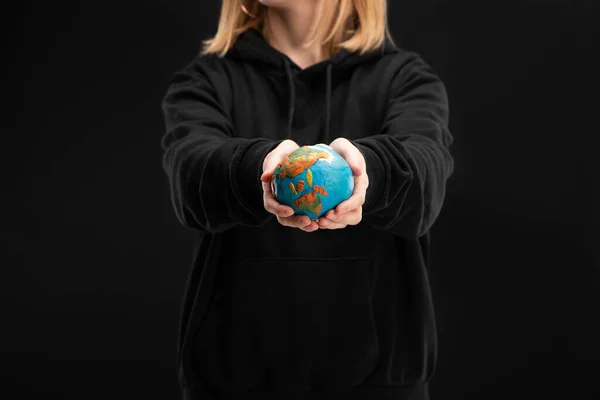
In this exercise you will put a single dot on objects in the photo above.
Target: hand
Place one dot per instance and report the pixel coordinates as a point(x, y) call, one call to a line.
point(348, 212)
point(285, 214)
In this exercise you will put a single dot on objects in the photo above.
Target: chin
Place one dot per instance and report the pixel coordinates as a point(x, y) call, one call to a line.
point(276, 3)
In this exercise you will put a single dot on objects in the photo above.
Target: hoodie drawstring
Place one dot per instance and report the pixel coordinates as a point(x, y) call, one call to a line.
point(292, 90)
point(327, 104)
point(292, 100)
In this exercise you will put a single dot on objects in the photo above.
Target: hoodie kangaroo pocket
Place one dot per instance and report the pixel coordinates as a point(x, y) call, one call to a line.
point(301, 324)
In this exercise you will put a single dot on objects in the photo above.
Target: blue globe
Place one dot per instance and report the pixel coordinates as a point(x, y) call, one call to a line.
point(312, 180)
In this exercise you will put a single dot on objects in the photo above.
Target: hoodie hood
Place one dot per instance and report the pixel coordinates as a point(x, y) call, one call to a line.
point(250, 46)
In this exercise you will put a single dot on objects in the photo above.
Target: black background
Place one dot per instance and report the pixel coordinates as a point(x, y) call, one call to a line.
point(97, 261)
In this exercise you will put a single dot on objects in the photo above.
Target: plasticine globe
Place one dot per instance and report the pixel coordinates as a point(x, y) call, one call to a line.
point(312, 180)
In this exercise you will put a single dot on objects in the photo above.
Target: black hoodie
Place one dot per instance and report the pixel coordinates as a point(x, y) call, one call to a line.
point(270, 308)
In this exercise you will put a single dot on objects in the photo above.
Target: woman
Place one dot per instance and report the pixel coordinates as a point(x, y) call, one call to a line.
point(268, 306)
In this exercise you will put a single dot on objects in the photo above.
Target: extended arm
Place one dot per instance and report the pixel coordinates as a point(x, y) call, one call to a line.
point(408, 161)
point(214, 176)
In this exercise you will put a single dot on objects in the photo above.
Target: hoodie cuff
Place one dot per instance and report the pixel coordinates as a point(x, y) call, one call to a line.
point(248, 172)
point(375, 172)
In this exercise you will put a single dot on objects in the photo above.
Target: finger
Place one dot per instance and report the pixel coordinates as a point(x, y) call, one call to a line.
point(354, 217)
point(350, 218)
point(272, 205)
point(335, 216)
point(267, 176)
point(355, 164)
point(355, 161)
point(266, 185)
point(325, 223)
point(295, 221)
point(357, 199)
point(301, 222)
point(346, 206)
point(312, 227)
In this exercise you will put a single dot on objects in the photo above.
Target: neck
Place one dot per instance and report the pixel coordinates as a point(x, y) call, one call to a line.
point(287, 30)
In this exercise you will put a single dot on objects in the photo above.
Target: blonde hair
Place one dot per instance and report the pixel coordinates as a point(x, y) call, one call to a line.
point(354, 25)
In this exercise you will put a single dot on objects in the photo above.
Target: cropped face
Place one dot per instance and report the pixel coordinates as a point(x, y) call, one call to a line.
point(275, 3)
point(285, 3)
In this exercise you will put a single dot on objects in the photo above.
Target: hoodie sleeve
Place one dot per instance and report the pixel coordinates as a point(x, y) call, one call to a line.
point(214, 176)
point(408, 161)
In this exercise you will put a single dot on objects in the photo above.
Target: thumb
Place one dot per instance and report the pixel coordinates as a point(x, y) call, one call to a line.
point(266, 176)
point(350, 156)
point(354, 164)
